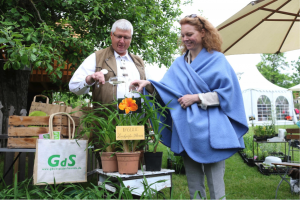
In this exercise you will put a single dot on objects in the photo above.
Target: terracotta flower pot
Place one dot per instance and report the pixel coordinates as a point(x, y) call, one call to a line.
point(109, 163)
point(128, 162)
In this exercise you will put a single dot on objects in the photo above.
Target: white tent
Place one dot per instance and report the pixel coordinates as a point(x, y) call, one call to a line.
point(295, 88)
point(265, 101)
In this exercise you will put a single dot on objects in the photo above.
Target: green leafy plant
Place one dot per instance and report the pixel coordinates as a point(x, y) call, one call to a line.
point(266, 130)
point(179, 163)
point(155, 112)
point(25, 190)
point(101, 121)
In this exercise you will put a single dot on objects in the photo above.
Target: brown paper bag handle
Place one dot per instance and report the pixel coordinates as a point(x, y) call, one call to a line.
point(40, 95)
point(69, 125)
point(59, 103)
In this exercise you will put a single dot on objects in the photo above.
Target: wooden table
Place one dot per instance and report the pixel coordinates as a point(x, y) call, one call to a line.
point(136, 180)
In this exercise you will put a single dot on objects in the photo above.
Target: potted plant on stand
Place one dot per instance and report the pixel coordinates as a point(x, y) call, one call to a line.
point(155, 113)
point(130, 159)
point(101, 123)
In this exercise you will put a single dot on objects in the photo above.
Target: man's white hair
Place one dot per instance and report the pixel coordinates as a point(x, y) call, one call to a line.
point(122, 24)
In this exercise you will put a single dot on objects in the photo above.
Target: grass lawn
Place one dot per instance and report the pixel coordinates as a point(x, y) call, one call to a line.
point(241, 181)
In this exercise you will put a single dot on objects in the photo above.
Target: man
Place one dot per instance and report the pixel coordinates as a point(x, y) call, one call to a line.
point(106, 63)
point(109, 62)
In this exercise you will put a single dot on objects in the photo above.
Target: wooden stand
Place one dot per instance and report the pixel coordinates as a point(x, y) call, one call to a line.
point(22, 136)
point(136, 181)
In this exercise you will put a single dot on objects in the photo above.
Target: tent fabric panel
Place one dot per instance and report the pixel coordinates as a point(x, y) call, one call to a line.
point(273, 97)
point(260, 83)
point(295, 88)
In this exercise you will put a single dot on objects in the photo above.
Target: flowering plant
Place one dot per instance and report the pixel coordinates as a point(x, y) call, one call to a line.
point(150, 109)
point(102, 122)
point(288, 117)
point(129, 105)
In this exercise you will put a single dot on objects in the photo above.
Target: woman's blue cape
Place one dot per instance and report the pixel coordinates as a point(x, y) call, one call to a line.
point(211, 135)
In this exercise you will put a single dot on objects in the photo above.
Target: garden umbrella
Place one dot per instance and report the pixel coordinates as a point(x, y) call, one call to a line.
point(263, 26)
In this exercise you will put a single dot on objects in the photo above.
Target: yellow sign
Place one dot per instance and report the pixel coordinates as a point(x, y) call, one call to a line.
point(130, 133)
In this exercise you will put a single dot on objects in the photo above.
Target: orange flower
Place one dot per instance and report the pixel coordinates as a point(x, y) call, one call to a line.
point(128, 105)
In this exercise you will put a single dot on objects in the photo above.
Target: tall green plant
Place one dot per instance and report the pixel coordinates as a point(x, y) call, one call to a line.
point(101, 122)
point(25, 190)
point(155, 112)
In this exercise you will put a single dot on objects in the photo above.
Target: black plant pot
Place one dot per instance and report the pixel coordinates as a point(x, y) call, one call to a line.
point(153, 161)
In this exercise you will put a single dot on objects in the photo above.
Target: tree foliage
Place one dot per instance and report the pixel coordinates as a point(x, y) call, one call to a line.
point(272, 67)
point(296, 74)
point(38, 32)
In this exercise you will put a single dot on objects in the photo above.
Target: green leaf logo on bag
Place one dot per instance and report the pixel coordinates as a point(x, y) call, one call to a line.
point(53, 161)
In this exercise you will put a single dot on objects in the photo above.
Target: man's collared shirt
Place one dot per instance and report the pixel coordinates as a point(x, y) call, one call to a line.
point(78, 83)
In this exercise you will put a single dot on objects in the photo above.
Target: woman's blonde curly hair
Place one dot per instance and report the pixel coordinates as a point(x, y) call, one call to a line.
point(212, 39)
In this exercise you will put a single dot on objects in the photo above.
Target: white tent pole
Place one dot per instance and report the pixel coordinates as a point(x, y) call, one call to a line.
point(273, 106)
point(293, 109)
point(252, 108)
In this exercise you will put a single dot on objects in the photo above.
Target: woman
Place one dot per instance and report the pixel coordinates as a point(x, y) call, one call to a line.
point(208, 120)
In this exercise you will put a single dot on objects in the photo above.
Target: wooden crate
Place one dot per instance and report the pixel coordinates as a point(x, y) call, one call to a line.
point(22, 136)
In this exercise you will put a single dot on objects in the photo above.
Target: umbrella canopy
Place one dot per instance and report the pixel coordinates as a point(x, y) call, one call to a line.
point(263, 26)
point(295, 88)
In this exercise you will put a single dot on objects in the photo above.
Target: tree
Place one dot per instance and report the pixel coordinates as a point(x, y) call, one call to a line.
point(271, 68)
point(296, 75)
point(35, 33)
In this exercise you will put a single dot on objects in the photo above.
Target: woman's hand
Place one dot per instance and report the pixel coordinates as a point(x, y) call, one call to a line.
point(140, 84)
point(188, 100)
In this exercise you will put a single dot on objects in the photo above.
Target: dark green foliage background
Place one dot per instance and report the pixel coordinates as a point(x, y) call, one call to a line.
point(34, 32)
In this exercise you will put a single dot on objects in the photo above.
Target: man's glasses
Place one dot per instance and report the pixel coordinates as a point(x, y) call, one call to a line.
point(120, 37)
point(195, 16)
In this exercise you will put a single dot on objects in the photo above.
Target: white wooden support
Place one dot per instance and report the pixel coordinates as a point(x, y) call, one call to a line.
point(136, 181)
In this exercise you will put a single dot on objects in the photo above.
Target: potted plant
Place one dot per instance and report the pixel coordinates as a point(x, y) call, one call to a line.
point(155, 113)
point(131, 150)
point(101, 123)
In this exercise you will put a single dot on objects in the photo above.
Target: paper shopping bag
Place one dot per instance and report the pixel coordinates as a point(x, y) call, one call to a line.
point(44, 107)
point(39, 106)
point(62, 106)
point(64, 160)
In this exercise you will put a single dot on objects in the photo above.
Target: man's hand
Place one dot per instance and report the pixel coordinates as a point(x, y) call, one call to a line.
point(97, 77)
point(188, 100)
